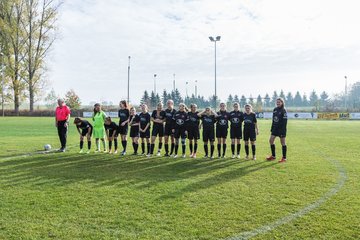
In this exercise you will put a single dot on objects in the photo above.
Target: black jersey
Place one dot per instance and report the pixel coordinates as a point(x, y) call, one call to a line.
point(84, 125)
point(180, 119)
point(123, 115)
point(249, 120)
point(279, 119)
point(236, 119)
point(144, 119)
point(161, 115)
point(194, 119)
point(111, 127)
point(208, 121)
point(135, 119)
point(222, 120)
point(169, 115)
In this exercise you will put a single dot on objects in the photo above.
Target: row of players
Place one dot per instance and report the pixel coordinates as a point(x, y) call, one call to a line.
point(176, 126)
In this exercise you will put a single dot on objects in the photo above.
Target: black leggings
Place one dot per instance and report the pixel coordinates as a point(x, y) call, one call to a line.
point(62, 132)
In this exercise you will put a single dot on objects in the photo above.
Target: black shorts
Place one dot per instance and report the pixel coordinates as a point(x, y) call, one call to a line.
point(112, 132)
point(235, 133)
point(134, 131)
point(249, 134)
point(145, 134)
point(193, 132)
point(221, 132)
point(180, 133)
point(208, 134)
point(85, 131)
point(168, 129)
point(278, 133)
point(158, 129)
point(123, 130)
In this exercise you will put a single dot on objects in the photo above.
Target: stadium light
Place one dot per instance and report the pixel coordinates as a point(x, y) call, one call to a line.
point(212, 39)
point(174, 82)
point(155, 83)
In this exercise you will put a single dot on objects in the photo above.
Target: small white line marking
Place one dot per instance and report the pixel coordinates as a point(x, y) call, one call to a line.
point(271, 226)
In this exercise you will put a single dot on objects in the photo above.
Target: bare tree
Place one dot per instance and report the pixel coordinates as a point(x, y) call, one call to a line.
point(13, 41)
point(40, 32)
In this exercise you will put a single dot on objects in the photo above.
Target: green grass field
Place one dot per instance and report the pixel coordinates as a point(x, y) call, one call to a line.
point(98, 196)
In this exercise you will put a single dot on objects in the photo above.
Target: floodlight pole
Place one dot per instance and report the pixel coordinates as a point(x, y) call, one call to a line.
point(215, 40)
point(345, 93)
point(174, 83)
point(196, 88)
point(128, 86)
point(155, 84)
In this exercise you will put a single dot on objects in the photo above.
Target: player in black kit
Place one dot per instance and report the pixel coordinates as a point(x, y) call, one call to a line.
point(222, 124)
point(250, 131)
point(144, 129)
point(236, 119)
point(124, 115)
point(86, 131)
point(193, 130)
point(180, 120)
point(158, 118)
point(112, 134)
point(208, 119)
point(134, 123)
point(278, 129)
point(169, 113)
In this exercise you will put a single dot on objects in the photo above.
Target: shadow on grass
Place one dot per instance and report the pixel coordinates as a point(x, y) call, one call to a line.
point(136, 172)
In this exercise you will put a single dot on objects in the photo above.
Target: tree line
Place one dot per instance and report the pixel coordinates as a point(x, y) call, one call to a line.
point(317, 101)
point(27, 33)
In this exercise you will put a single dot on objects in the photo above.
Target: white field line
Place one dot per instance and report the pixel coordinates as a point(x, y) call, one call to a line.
point(271, 226)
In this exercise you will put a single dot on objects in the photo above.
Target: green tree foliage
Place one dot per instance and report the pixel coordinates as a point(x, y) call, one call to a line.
point(72, 100)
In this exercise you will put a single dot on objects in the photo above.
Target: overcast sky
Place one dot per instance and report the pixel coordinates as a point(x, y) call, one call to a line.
point(265, 46)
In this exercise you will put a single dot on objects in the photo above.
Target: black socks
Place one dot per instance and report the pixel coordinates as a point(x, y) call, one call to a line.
point(148, 148)
point(272, 146)
point(247, 150)
point(166, 148)
point(143, 147)
point(172, 148)
point(152, 148)
point(212, 148)
point(81, 144)
point(233, 149)
point(253, 148)
point(176, 148)
point(135, 146)
point(124, 143)
point(115, 143)
point(206, 149)
point(238, 147)
point(284, 150)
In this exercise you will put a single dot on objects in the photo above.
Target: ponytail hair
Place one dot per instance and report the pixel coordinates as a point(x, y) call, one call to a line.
point(96, 105)
point(282, 101)
point(124, 103)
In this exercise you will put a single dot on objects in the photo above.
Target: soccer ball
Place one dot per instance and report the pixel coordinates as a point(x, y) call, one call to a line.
point(47, 147)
